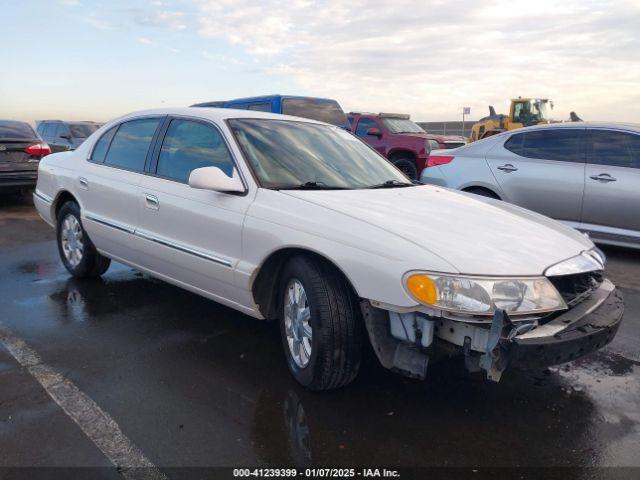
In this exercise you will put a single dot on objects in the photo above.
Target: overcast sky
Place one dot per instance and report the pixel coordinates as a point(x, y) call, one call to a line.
point(94, 60)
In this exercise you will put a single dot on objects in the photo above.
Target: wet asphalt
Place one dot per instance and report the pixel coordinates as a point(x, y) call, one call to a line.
point(193, 383)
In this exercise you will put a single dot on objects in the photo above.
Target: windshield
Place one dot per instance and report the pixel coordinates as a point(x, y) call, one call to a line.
point(288, 154)
point(327, 111)
point(10, 129)
point(401, 125)
point(82, 130)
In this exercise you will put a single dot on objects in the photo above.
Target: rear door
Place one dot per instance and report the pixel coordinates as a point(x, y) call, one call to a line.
point(15, 162)
point(542, 170)
point(108, 188)
point(54, 139)
point(612, 185)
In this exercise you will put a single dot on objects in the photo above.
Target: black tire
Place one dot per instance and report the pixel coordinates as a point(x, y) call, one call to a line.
point(483, 192)
point(92, 264)
point(407, 166)
point(336, 338)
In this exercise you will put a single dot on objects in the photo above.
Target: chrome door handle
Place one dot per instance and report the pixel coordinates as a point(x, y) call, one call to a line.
point(83, 183)
point(507, 168)
point(603, 177)
point(152, 201)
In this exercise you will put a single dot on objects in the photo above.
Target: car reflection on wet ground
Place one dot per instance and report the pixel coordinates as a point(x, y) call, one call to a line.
point(193, 383)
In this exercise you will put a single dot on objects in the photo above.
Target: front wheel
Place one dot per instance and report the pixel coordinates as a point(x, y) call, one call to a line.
point(77, 252)
point(318, 324)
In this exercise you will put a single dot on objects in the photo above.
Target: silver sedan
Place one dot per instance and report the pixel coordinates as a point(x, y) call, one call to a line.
point(586, 175)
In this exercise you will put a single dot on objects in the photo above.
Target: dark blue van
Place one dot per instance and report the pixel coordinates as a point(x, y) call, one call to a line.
point(321, 109)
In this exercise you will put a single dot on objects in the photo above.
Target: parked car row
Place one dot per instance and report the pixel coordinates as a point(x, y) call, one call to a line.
point(61, 135)
point(395, 136)
point(20, 151)
point(587, 175)
point(297, 221)
point(21, 148)
point(399, 139)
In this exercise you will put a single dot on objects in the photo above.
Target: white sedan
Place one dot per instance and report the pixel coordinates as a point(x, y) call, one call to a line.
point(297, 221)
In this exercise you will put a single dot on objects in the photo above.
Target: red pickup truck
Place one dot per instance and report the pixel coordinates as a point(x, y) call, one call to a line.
point(398, 138)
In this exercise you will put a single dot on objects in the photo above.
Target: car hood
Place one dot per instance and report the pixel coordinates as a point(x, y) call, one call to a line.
point(476, 235)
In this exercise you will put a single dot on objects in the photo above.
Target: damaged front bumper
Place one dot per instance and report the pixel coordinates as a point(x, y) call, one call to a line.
point(405, 342)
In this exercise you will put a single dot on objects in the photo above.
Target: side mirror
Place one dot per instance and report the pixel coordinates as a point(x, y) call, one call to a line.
point(212, 178)
point(374, 132)
point(65, 136)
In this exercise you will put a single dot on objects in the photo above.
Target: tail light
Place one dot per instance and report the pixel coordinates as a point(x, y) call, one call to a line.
point(38, 149)
point(434, 160)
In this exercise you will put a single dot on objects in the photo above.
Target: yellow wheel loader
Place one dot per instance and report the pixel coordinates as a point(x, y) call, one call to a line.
point(523, 113)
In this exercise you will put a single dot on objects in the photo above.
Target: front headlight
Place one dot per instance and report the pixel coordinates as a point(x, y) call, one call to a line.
point(484, 295)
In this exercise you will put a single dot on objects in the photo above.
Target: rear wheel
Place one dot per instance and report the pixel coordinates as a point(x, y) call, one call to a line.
point(77, 252)
point(407, 166)
point(318, 324)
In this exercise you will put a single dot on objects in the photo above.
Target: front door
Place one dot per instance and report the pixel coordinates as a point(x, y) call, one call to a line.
point(191, 235)
point(612, 184)
point(542, 170)
point(376, 141)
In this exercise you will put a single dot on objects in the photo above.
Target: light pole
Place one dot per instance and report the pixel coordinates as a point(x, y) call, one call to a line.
point(465, 111)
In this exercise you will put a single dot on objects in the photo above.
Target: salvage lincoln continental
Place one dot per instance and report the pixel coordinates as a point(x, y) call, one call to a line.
point(294, 220)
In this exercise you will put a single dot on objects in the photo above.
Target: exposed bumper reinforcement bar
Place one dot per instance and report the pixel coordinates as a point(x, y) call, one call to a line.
point(587, 327)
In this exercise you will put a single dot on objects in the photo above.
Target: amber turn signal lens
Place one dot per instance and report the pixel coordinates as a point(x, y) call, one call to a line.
point(423, 288)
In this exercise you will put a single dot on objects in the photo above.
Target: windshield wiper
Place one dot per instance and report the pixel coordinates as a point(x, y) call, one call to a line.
point(391, 184)
point(310, 186)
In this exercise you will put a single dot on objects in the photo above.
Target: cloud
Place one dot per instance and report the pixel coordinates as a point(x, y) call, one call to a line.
point(145, 41)
point(430, 58)
point(162, 18)
point(97, 22)
point(69, 3)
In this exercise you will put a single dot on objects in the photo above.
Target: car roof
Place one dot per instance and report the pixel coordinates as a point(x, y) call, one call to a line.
point(216, 114)
point(611, 125)
point(272, 97)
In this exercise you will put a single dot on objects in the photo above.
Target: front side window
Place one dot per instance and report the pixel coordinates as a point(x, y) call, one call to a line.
point(619, 149)
point(562, 144)
point(288, 154)
point(189, 145)
point(102, 145)
point(82, 130)
point(61, 129)
point(364, 125)
point(130, 144)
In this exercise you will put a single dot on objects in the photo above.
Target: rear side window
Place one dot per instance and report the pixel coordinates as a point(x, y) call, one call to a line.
point(514, 144)
point(327, 111)
point(564, 145)
point(189, 145)
point(10, 129)
point(619, 149)
point(102, 145)
point(130, 144)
